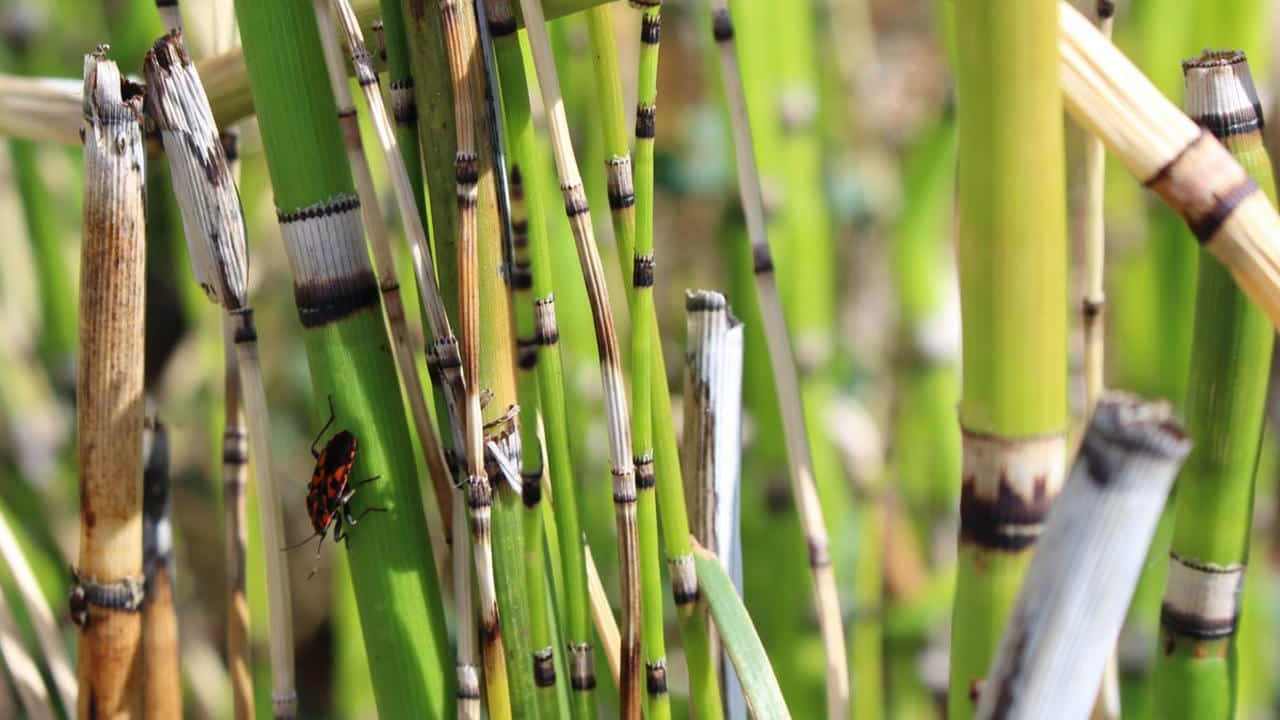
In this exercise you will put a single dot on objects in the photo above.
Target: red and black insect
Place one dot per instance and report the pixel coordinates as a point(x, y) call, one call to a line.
point(330, 491)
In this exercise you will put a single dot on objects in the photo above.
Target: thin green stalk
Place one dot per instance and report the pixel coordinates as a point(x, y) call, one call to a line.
point(617, 150)
point(532, 470)
point(517, 123)
point(657, 701)
point(513, 69)
point(1196, 670)
point(1013, 401)
point(348, 353)
point(616, 411)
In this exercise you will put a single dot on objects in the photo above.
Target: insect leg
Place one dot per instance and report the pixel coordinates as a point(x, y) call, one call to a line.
point(332, 416)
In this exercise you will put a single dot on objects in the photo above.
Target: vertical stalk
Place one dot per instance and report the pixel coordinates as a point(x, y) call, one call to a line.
point(532, 471)
point(214, 228)
point(1196, 671)
point(108, 591)
point(1012, 257)
point(348, 352)
point(617, 151)
point(32, 694)
point(538, 348)
point(404, 108)
point(384, 264)
point(624, 482)
point(658, 704)
point(235, 477)
point(162, 694)
point(782, 361)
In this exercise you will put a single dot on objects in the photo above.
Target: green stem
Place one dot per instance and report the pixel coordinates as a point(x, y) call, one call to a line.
point(1196, 671)
point(1013, 293)
point(404, 105)
point(347, 349)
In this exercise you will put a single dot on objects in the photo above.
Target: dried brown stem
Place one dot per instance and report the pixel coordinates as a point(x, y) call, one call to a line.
point(108, 592)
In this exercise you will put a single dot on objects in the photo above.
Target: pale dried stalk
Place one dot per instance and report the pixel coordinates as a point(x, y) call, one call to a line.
point(162, 689)
point(214, 226)
point(615, 401)
point(713, 447)
point(1088, 169)
point(461, 48)
point(22, 670)
point(235, 478)
point(1169, 153)
point(108, 591)
point(1064, 627)
point(1090, 234)
point(441, 520)
point(782, 360)
point(42, 622)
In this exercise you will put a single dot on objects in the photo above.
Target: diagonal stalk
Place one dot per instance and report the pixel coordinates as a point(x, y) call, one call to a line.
point(782, 361)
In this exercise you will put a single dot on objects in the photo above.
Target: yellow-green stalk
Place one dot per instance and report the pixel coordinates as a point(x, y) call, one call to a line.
point(1196, 664)
point(1012, 257)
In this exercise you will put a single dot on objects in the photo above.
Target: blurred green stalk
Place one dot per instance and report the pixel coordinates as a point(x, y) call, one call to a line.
point(1012, 258)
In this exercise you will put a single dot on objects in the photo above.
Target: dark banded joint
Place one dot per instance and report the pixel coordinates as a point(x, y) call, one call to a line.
point(233, 450)
point(645, 478)
point(621, 201)
point(1009, 522)
point(722, 25)
point(320, 303)
point(624, 493)
point(447, 355)
point(531, 488)
point(124, 595)
point(819, 556)
point(544, 668)
point(684, 596)
point(650, 24)
point(656, 677)
point(502, 27)
point(245, 330)
point(642, 271)
point(575, 201)
point(366, 75)
point(646, 121)
point(1106, 9)
point(1195, 626)
point(230, 140)
point(466, 169)
point(521, 276)
point(762, 259)
point(582, 669)
point(479, 492)
point(346, 203)
point(1091, 308)
point(527, 353)
point(520, 232)
point(468, 692)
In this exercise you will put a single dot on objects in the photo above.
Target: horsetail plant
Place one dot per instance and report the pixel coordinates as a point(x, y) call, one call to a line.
point(215, 232)
point(643, 336)
point(782, 361)
point(713, 448)
point(616, 412)
point(617, 152)
point(1063, 630)
point(1190, 171)
point(1196, 674)
point(383, 260)
point(235, 479)
point(1013, 408)
point(1087, 168)
point(404, 105)
point(532, 469)
point(348, 352)
point(108, 590)
point(538, 349)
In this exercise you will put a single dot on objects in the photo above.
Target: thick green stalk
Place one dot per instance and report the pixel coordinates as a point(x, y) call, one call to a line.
point(348, 353)
point(653, 645)
point(1196, 670)
point(1012, 257)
